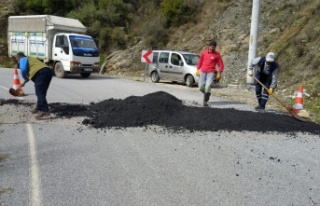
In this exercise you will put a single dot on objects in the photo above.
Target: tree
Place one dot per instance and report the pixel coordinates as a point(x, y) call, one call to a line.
point(177, 12)
point(114, 13)
point(55, 7)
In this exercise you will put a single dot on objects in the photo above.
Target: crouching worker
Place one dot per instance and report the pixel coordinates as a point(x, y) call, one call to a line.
point(266, 73)
point(33, 69)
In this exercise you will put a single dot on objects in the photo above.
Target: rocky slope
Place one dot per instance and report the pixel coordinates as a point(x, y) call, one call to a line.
point(286, 27)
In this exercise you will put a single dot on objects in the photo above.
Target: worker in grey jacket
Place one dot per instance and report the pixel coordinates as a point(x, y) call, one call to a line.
point(266, 73)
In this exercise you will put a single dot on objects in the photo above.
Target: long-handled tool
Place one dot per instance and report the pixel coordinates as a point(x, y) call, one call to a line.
point(14, 92)
point(283, 104)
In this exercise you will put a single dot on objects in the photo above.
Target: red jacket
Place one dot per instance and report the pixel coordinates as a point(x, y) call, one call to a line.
point(208, 61)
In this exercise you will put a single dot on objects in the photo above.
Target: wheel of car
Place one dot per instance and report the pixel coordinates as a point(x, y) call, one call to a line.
point(59, 71)
point(85, 75)
point(155, 77)
point(189, 81)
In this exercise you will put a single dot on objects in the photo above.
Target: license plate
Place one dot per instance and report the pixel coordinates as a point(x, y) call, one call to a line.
point(88, 69)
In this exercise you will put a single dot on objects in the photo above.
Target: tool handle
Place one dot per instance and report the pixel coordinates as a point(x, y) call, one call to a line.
point(285, 106)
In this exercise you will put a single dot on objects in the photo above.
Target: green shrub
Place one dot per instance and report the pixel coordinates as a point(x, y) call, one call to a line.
point(177, 12)
point(105, 39)
point(154, 32)
point(118, 37)
point(114, 13)
point(56, 7)
point(86, 13)
point(6, 62)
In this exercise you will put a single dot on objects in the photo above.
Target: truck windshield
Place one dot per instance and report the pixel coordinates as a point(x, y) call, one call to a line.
point(83, 46)
point(191, 59)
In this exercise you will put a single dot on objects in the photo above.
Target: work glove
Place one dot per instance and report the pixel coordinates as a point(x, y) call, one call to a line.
point(198, 72)
point(218, 76)
point(270, 91)
point(23, 83)
point(250, 73)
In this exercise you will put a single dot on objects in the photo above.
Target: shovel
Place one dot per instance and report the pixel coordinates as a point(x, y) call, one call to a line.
point(283, 104)
point(15, 93)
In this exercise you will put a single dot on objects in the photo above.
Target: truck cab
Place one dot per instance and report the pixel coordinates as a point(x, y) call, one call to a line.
point(59, 42)
point(74, 53)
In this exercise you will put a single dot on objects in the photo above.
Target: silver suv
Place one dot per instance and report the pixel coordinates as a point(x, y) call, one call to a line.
point(177, 66)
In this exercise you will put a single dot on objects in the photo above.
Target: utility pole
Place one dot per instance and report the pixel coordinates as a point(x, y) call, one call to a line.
point(253, 42)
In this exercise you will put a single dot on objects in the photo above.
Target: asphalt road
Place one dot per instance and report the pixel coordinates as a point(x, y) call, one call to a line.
point(62, 162)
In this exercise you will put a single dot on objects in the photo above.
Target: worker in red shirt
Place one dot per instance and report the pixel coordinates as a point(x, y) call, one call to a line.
point(207, 70)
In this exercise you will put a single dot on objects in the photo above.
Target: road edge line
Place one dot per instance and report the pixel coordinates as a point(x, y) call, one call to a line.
point(34, 173)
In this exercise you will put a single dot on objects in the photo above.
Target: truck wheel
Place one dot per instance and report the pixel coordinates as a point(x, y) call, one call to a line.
point(189, 81)
point(155, 77)
point(59, 71)
point(85, 75)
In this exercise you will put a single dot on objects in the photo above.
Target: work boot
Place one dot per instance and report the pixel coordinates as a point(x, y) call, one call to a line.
point(205, 104)
point(206, 98)
point(34, 111)
point(42, 115)
point(259, 109)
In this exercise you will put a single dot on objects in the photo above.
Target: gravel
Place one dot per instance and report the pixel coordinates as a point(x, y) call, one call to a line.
point(163, 109)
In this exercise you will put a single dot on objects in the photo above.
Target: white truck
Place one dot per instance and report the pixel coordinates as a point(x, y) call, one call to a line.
point(59, 42)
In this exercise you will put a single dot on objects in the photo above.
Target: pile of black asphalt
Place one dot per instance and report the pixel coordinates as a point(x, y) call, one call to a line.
point(163, 109)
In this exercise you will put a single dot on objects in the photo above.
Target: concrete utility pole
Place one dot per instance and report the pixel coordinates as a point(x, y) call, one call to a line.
point(253, 43)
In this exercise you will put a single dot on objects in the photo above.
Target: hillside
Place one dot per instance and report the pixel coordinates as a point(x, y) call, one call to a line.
point(289, 28)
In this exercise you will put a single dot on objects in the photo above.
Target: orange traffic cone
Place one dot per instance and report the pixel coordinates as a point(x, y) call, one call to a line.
point(16, 83)
point(298, 102)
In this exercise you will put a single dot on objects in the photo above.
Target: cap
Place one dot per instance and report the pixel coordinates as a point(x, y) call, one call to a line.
point(270, 57)
point(212, 43)
point(20, 54)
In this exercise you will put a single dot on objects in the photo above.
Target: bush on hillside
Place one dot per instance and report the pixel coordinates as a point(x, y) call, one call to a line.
point(178, 12)
point(154, 33)
point(55, 7)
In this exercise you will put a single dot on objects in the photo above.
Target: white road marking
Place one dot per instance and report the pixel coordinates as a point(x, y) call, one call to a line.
point(35, 183)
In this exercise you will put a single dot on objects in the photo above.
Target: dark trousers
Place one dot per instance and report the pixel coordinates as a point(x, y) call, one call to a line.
point(261, 93)
point(42, 81)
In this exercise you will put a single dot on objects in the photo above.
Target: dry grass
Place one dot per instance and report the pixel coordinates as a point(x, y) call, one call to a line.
point(184, 36)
